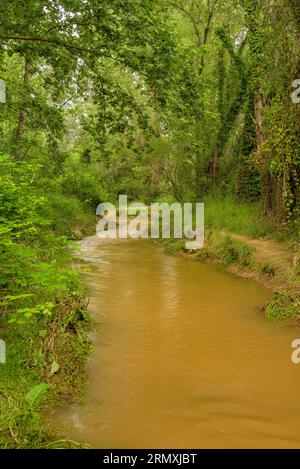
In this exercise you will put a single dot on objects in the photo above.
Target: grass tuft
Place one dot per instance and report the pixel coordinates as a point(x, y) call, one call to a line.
point(283, 306)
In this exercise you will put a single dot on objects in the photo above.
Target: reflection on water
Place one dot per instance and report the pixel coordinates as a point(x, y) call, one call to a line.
point(183, 357)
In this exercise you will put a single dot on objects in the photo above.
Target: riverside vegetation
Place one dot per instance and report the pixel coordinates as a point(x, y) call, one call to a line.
point(161, 100)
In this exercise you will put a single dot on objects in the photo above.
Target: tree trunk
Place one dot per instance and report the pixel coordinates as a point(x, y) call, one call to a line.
point(266, 181)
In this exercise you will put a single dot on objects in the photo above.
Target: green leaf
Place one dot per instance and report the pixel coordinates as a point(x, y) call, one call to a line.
point(34, 396)
point(54, 368)
point(17, 297)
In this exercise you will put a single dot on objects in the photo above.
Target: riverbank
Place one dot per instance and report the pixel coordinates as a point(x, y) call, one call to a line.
point(274, 265)
point(242, 241)
point(44, 320)
point(45, 368)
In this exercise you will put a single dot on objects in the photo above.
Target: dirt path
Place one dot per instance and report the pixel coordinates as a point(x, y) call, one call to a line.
point(279, 257)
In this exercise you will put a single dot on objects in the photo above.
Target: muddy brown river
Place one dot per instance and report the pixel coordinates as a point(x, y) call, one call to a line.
point(182, 357)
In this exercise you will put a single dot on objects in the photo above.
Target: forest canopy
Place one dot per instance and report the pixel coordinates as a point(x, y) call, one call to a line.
point(155, 98)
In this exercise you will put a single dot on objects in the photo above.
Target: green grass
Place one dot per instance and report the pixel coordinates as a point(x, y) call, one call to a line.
point(232, 251)
point(267, 269)
point(173, 246)
point(32, 350)
point(218, 248)
point(284, 306)
point(242, 218)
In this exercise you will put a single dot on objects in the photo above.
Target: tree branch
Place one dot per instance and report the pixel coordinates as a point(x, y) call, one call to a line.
point(74, 49)
point(190, 16)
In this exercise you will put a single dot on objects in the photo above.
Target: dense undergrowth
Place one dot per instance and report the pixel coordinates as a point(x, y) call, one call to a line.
point(283, 306)
point(44, 368)
point(224, 213)
point(44, 316)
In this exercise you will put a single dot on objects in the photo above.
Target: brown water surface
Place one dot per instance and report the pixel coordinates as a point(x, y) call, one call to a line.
point(182, 357)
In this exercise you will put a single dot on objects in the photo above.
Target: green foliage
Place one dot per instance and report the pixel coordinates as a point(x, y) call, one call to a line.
point(241, 218)
point(283, 306)
point(30, 360)
point(173, 246)
point(159, 100)
point(268, 270)
point(21, 315)
point(32, 271)
point(284, 147)
point(35, 394)
point(82, 182)
point(233, 251)
point(65, 213)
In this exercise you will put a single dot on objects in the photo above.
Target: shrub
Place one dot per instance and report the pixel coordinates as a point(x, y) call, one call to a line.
point(283, 306)
point(81, 181)
point(235, 251)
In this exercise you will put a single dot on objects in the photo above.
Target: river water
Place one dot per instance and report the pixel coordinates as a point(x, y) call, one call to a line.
point(182, 357)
